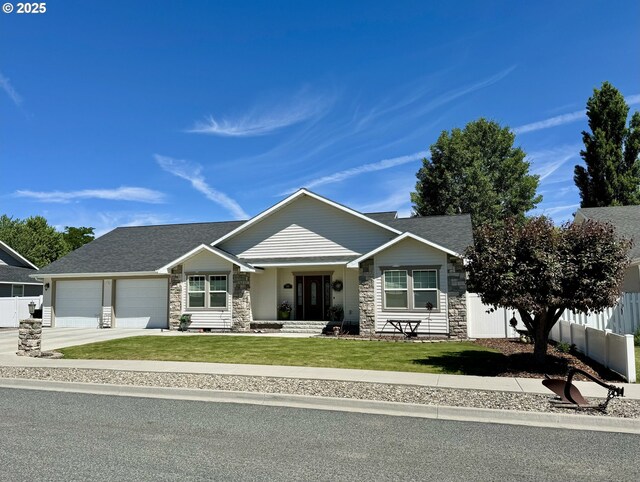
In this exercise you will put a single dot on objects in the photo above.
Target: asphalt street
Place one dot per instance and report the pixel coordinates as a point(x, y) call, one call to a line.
point(68, 436)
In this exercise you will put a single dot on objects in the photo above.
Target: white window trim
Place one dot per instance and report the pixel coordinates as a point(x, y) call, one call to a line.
point(384, 289)
point(207, 292)
point(410, 290)
point(13, 287)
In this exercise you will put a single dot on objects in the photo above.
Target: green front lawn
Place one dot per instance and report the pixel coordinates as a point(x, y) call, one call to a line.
point(445, 357)
point(637, 364)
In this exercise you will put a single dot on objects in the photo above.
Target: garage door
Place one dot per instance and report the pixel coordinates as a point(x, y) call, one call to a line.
point(78, 303)
point(141, 303)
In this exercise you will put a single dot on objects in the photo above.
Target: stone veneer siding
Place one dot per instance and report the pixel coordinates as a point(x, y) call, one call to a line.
point(30, 337)
point(241, 301)
point(457, 299)
point(366, 298)
point(175, 297)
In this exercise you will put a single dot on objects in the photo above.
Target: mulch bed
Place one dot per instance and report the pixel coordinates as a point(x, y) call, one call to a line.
point(518, 361)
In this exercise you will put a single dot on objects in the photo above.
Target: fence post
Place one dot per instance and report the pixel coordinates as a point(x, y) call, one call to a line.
point(631, 359)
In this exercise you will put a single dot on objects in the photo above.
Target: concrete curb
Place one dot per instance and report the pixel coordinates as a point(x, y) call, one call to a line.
point(439, 412)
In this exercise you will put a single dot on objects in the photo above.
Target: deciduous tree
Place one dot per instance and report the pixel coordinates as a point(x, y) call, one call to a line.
point(476, 170)
point(540, 270)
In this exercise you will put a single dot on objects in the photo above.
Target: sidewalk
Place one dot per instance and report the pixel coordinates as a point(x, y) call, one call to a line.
point(505, 384)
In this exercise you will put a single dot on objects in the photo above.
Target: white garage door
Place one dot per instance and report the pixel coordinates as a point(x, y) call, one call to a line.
point(78, 304)
point(141, 303)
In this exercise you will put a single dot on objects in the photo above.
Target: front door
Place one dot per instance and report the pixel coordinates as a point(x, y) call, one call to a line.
point(313, 298)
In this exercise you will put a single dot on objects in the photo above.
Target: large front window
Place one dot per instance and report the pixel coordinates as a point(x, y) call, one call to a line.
point(410, 289)
point(207, 291)
point(395, 289)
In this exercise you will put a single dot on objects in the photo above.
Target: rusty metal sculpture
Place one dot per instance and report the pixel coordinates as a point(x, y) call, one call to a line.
point(568, 395)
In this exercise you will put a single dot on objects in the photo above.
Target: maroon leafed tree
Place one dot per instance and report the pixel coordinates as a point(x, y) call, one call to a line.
point(541, 270)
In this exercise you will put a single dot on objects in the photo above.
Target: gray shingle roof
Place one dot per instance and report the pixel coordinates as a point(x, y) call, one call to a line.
point(626, 220)
point(383, 217)
point(16, 274)
point(148, 248)
point(452, 232)
point(141, 248)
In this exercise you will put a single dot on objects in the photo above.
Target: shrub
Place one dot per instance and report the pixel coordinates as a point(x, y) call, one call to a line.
point(563, 347)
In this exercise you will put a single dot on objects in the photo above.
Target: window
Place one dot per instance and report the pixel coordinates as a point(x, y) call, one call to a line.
point(425, 288)
point(196, 291)
point(410, 289)
point(218, 291)
point(207, 291)
point(395, 289)
point(17, 290)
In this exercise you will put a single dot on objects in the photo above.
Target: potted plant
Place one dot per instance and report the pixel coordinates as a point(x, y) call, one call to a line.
point(185, 320)
point(284, 310)
point(335, 313)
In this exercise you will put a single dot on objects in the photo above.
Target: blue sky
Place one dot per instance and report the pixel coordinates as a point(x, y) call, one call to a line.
point(126, 113)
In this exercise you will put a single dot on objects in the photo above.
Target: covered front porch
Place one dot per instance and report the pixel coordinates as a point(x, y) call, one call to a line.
point(315, 293)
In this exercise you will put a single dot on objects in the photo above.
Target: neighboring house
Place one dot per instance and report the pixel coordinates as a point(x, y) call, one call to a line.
point(14, 274)
point(306, 249)
point(626, 220)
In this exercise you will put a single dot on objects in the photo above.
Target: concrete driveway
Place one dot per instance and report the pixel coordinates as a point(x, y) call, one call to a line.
point(54, 338)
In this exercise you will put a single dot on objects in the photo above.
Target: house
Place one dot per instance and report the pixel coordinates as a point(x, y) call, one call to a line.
point(306, 249)
point(15, 271)
point(626, 220)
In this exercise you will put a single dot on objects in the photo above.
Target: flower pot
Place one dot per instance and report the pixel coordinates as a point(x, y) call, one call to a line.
point(284, 315)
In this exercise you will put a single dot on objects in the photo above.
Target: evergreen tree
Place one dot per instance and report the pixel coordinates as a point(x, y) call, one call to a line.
point(612, 174)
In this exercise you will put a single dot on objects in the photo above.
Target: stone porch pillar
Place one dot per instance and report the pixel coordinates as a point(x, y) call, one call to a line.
point(366, 298)
point(241, 301)
point(175, 297)
point(457, 297)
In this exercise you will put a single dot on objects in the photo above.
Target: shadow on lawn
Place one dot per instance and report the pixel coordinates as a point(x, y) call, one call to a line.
point(490, 364)
point(468, 362)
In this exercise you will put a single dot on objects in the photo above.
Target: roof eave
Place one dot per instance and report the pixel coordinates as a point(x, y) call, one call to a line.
point(356, 262)
point(299, 193)
point(17, 255)
point(111, 274)
point(244, 267)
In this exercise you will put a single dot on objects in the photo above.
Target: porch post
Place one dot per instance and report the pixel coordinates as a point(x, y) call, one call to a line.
point(241, 305)
point(366, 298)
point(456, 297)
point(175, 297)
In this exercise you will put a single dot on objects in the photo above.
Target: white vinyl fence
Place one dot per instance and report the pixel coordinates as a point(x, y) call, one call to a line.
point(623, 319)
point(612, 350)
point(12, 310)
point(482, 322)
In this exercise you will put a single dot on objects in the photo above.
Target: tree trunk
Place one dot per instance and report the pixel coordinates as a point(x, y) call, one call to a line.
point(540, 342)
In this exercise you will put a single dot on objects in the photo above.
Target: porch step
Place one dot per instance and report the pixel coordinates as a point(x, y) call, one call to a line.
point(306, 326)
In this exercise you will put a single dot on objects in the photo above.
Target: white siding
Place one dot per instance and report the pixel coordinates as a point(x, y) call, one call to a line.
point(208, 262)
point(351, 295)
point(412, 253)
point(264, 294)
point(46, 302)
point(307, 227)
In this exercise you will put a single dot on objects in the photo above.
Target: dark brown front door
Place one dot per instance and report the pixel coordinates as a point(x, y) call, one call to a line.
point(313, 297)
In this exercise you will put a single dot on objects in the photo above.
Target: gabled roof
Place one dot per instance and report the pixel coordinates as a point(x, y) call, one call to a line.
point(211, 249)
point(17, 256)
point(288, 200)
point(138, 249)
point(451, 232)
point(626, 220)
point(402, 237)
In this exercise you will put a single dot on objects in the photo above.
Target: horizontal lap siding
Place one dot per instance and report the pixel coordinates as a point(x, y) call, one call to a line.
point(412, 253)
point(307, 227)
point(208, 262)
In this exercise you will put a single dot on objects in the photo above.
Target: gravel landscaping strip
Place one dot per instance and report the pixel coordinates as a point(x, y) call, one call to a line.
point(323, 388)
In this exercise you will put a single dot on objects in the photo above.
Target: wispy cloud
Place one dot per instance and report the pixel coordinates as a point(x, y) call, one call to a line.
point(365, 168)
point(192, 172)
point(564, 118)
point(5, 84)
point(104, 222)
point(138, 194)
point(546, 162)
point(265, 119)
